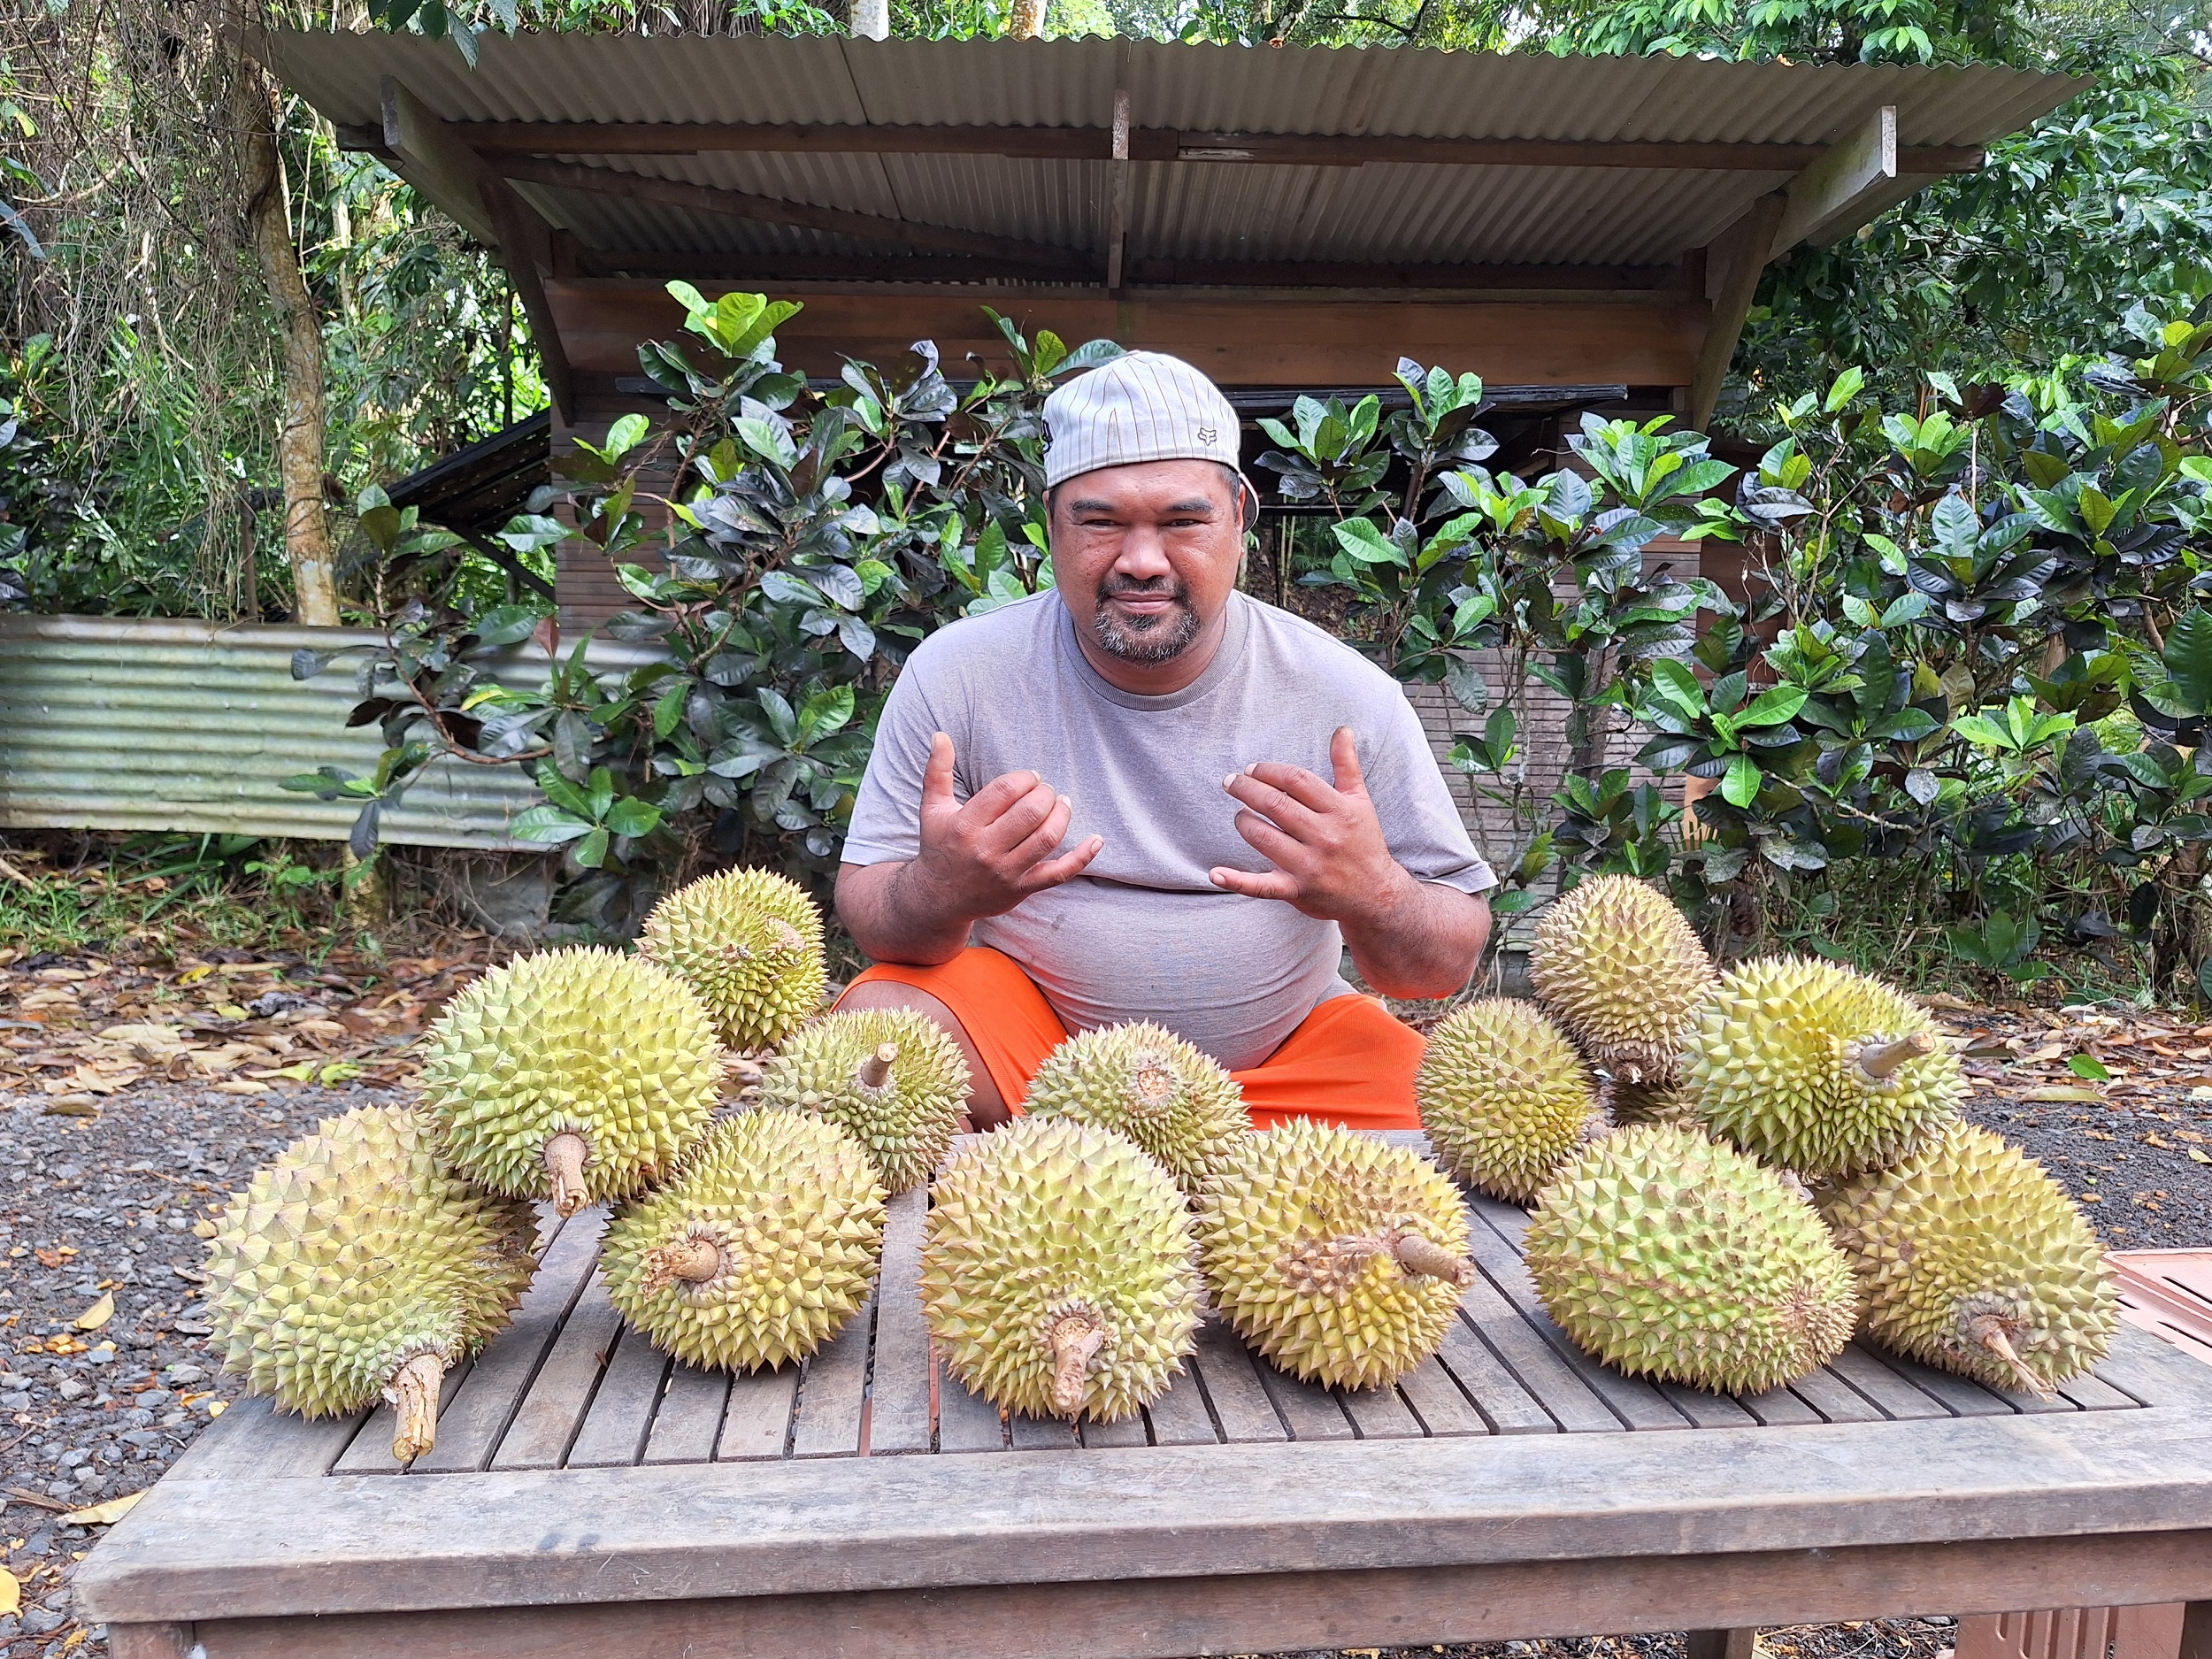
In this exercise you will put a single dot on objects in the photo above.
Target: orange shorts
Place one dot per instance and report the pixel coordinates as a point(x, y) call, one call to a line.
point(1349, 1062)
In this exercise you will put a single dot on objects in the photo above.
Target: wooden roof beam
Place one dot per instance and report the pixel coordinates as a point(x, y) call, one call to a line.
point(1012, 253)
point(421, 149)
point(1097, 144)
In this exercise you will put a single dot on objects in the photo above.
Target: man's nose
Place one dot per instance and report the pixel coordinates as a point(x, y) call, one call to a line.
point(1143, 554)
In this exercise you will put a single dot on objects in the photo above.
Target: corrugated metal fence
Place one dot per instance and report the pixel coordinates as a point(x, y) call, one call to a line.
point(129, 723)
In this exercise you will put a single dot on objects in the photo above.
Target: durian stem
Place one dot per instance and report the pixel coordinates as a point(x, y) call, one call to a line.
point(1879, 1059)
point(564, 1155)
point(787, 939)
point(1989, 1330)
point(1074, 1340)
point(693, 1259)
point(1420, 1257)
point(413, 1392)
point(875, 1070)
point(742, 1069)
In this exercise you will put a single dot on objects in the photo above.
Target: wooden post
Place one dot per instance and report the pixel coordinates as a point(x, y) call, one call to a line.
point(1735, 262)
point(1719, 1644)
point(2196, 1631)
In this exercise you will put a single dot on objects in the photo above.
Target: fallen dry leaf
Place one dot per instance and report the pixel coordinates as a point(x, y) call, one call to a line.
point(103, 1514)
point(98, 1314)
point(71, 1106)
point(2060, 1092)
point(11, 1593)
point(237, 1087)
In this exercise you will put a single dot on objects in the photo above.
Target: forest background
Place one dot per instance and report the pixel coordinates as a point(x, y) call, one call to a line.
point(223, 332)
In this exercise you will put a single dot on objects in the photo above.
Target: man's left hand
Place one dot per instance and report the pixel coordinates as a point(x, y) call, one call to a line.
point(1324, 839)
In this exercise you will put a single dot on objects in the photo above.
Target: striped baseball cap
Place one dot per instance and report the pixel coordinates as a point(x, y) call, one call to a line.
point(1144, 406)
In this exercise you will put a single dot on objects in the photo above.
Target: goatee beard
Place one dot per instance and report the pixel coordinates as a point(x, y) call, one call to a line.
point(1151, 639)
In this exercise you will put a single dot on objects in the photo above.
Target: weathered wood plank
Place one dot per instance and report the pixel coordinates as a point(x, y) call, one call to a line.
point(757, 1423)
point(553, 1408)
point(1832, 1397)
point(966, 1422)
point(1535, 1363)
point(1309, 1413)
point(1041, 1434)
point(1436, 1400)
point(1232, 1375)
point(2021, 1401)
point(1255, 1612)
point(689, 1420)
point(149, 1642)
point(2092, 1392)
point(1505, 1403)
point(2148, 1370)
point(833, 1390)
point(1179, 1417)
point(1891, 1394)
point(371, 1452)
point(252, 1439)
point(1497, 1251)
point(1116, 1436)
point(1784, 1408)
point(471, 1426)
point(1706, 1410)
point(1959, 1396)
point(898, 1383)
point(1378, 1414)
point(614, 1429)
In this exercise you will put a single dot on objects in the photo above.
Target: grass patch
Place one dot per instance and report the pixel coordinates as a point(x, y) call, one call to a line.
point(154, 896)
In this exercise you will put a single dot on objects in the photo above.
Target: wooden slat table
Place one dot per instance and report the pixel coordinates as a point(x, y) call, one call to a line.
point(588, 1497)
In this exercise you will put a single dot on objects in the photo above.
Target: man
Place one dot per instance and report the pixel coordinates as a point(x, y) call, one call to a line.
point(1143, 795)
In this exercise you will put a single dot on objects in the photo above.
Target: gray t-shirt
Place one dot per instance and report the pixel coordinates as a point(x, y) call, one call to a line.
point(1142, 934)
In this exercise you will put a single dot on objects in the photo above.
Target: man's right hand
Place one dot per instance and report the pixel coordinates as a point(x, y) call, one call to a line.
point(986, 855)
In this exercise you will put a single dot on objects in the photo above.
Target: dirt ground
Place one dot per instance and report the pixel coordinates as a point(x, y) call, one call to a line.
point(135, 1097)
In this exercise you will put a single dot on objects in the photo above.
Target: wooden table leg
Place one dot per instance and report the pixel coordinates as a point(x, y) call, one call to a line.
point(1732, 1644)
point(149, 1642)
point(2196, 1631)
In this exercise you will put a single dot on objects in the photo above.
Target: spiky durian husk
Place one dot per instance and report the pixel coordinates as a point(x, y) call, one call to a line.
point(1622, 971)
point(1338, 1256)
point(904, 1108)
point(1144, 1081)
point(749, 942)
point(1057, 1272)
point(1674, 1256)
point(1624, 1103)
point(1504, 1097)
point(355, 1255)
point(758, 1251)
point(1970, 1239)
point(1777, 1061)
point(588, 1042)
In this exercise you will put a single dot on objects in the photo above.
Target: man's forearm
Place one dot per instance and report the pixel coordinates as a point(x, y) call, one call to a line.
point(893, 917)
point(1423, 941)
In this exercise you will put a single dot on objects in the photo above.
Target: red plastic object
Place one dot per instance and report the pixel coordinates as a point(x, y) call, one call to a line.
point(2168, 1293)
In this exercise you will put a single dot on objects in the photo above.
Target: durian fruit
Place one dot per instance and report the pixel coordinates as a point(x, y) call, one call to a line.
point(1622, 971)
point(1504, 1097)
point(576, 1075)
point(1973, 1259)
point(1057, 1272)
point(1338, 1256)
point(890, 1076)
point(758, 1251)
point(1623, 1102)
point(749, 942)
point(1144, 1081)
point(1818, 1068)
point(357, 1265)
point(1674, 1256)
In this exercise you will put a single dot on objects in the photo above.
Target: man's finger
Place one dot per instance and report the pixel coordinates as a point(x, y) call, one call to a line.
point(986, 803)
point(1053, 872)
point(1264, 884)
point(1256, 794)
point(1039, 841)
point(937, 774)
point(998, 836)
point(1270, 841)
point(1344, 757)
point(1301, 785)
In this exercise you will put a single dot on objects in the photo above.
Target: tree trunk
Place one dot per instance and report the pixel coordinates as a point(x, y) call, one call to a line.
point(1029, 20)
point(300, 436)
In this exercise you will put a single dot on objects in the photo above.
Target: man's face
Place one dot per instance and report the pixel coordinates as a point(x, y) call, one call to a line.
point(1146, 556)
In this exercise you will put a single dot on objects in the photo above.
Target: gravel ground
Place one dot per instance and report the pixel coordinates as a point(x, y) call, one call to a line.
point(1870, 1638)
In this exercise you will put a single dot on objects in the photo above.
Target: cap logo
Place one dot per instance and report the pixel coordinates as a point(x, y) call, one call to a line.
point(1207, 435)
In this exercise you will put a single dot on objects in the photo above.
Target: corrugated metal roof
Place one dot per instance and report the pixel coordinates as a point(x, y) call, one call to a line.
point(137, 723)
point(1383, 211)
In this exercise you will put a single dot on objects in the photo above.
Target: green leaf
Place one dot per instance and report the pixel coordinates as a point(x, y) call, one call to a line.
point(591, 852)
point(548, 823)
point(1980, 729)
point(825, 712)
point(1676, 682)
point(2087, 1066)
point(632, 816)
point(1845, 386)
point(1364, 543)
point(625, 436)
point(1773, 707)
point(2188, 659)
point(1740, 787)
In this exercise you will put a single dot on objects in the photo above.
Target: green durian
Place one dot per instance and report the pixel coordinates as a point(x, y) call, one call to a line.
point(1818, 1068)
point(1338, 1256)
point(749, 942)
point(357, 1265)
point(1972, 1259)
point(759, 1250)
point(1622, 971)
point(1624, 1103)
point(1057, 1272)
point(1144, 1081)
point(576, 1075)
point(1673, 1256)
point(891, 1077)
point(1504, 1097)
